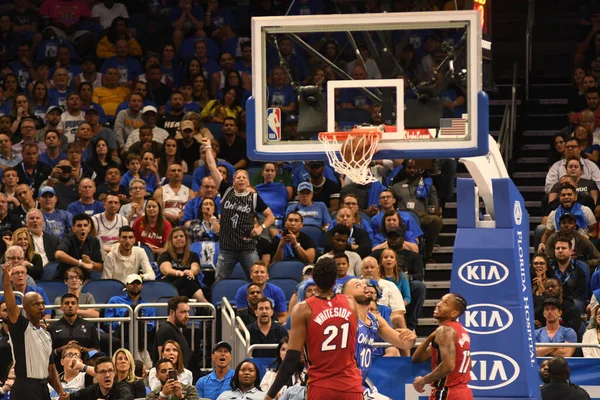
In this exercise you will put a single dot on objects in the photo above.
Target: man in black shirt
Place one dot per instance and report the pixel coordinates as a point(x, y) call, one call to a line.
point(412, 264)
point(264, 330)
point(113, 186)
point(560, 387)
point(107, 387)
point(179, 315)
point(5, 348)
point(79, 249)
point(188, 147)
point(30, 343)
point(172, 120)
point(31, 171)
point(72, 329)
point(233, 147)
point(293, 244)
point(157, 91)
point(254, 293)
point(324, 190)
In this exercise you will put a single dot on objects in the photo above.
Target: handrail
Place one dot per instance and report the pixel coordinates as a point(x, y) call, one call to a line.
point(228, 324)
point(528, 43)
point(242, 339)
point(503, 135)
point(509, 123)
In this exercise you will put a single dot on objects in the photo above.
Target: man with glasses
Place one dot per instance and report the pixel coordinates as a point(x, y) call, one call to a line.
point(76, 375)
point(192, 208)
point(313, 213)
point(8, 158)
point(32, 345)
point(589, 169)
point(107, 388)
point(72, 329)
point(137, 191)
point(28, 132)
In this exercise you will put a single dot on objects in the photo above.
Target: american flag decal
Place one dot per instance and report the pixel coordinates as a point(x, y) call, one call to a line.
point(453, 126)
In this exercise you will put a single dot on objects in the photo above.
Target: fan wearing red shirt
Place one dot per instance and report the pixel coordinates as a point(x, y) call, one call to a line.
point(450, 353)
point(326, 324)
point(151, 228)
point(63, 17)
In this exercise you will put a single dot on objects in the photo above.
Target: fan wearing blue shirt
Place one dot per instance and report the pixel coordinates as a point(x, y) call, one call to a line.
point(259, 276)
point(86, 203)
point(274, 194)
point(129, 68)
point(212, 385)
point(554, 332)
point(313, 213)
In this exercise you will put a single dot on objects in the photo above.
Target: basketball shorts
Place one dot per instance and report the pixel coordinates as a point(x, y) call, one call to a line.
point(319, 393)
point(458, 392)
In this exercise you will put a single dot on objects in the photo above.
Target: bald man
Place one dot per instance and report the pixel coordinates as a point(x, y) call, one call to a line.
point(86, 203)
point(32, 346)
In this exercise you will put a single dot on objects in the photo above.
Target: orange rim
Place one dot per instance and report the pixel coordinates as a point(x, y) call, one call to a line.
point(341, 136)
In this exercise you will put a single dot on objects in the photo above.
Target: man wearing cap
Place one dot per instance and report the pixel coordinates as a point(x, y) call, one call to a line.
point(313, 213)
point(233, 147)
point(212, 385)
point(326, 186)
point(72, 329)
point(53, 153)
point(7, 157)
point(583, 248)
point(129, 119)
point(57, 222)
point(53, 116)
point(31, 171)
point(293, 244)
point(188, 146)
point(72, 117)
point(134, 284)
point(150, 117)
point(553, 332)
point(110, 95)
point(172, 120)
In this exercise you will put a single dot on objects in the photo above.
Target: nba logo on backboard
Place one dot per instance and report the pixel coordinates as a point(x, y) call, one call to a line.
point(274, 124)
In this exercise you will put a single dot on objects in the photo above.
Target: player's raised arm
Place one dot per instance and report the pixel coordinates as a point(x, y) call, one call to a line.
point(445, 338)
point(402, 338)
point(211, 162)
point(300, 314)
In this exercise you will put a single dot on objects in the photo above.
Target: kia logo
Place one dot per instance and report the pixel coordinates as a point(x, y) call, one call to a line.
point(483, 272)
point(486, 319)
point(490, 370)
point(518, 213)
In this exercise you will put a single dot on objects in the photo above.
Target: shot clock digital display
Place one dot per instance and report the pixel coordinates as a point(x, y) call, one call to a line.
point(485, 10)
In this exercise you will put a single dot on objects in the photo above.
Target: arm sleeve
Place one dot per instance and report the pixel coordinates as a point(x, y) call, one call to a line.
point(120, 127)
point(325, 213)
point(280, 301)
point(108, 268)
point(551, 223)
point(190, 211)
point(570, 336)
point(261, 206)
point(200, 386)
point(364, 243)
point(396, 302)
point(405, 288)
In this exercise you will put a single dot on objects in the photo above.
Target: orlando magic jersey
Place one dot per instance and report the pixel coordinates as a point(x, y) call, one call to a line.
point(365, 337)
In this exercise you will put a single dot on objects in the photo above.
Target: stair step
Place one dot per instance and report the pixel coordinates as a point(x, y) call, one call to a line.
point(546, 133)
point(532, 160)
point(431, 302)
point(437, 285)
point(531, 189)
point(443, 249)
point(529, 174)
point(428, 322)
point(452, 204)
point(438, 267)
point(526, 147)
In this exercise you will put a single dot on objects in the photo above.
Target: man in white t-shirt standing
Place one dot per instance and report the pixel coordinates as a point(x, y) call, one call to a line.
point(107, 11)
point(109, 222)
point(73, 117)
point(173, 196)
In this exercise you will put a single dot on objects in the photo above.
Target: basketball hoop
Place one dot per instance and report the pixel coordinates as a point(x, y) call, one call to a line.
point(350, 153)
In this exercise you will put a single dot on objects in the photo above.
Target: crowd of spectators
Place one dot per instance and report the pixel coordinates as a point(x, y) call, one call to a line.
point(123, 156)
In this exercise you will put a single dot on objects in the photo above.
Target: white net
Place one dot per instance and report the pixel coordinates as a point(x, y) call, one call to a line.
point(350, 153)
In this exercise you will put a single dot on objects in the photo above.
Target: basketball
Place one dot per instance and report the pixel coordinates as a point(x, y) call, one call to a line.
point(354, 149)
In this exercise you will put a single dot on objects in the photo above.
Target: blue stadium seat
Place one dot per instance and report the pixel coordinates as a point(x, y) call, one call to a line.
point(53, 289)
point(226, 288)
point(287, 270)
point(95, 275)
point(287, 285)
point(50, 270)
point(238, 272)
point(187, 178)
point(153, 290)
point(315, 234)
point(103, 289)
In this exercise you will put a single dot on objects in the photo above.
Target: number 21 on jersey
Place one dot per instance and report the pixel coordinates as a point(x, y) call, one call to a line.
point(332, 332)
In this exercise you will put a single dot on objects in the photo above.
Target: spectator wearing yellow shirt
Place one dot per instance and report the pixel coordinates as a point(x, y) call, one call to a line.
point(118, 30)
point(110, 95)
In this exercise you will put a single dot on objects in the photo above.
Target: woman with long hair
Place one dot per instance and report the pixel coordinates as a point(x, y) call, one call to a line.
point(181, 266)
point(391, 222)
point(592, 336)
point(540, 271)
point(585, 139)
point(169, 154)
point(199, 89)
point(299, 377)
point(391, 271)
point(151, 228)
point(557, 148)
point(216, 111)
point(125, 372)
point(33, 261)
point(119, 30)
point(245, 383)
point(100, 160)
point(172, 351)
point(21, 108)
point(207, 227)
point(233, 79)
point(169, 65)
point(39, 99)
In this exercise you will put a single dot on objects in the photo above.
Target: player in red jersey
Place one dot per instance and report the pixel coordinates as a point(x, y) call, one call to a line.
point(450, 353)
point(327, 324)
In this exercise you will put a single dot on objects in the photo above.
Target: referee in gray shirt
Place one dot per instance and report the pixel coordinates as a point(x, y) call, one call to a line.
point(32, 345)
